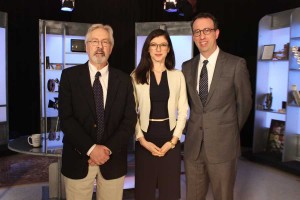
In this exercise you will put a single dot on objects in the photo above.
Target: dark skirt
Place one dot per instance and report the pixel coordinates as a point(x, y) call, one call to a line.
point(153, 172)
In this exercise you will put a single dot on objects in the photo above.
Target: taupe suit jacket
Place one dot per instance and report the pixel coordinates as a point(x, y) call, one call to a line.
point(219, 121)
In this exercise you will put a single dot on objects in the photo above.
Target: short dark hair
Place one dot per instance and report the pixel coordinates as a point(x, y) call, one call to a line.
point(146, 64)
point(206, 15)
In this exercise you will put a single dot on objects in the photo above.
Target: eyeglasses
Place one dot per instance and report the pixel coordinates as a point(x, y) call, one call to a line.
point(104, 43)
point(205, 31)
point(162, 46)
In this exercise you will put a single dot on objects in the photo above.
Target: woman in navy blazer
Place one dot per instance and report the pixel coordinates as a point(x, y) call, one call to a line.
point(161, 104)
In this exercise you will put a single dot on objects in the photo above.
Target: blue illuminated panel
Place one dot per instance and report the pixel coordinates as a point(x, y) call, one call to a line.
point(2, 75)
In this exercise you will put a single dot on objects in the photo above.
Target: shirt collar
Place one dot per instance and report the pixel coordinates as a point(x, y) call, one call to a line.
point(212, 58)
point(93, 69)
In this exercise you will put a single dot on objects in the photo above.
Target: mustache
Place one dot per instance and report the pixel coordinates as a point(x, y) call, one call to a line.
point(99, 50)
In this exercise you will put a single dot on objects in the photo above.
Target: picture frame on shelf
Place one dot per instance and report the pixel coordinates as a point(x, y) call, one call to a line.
point(275, 142)
point(77, 45)
point(267, 52)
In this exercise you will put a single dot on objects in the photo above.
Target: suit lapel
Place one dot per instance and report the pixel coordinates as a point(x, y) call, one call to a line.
point(216, 76)
point(85, 82)
point(192, 81)
point(113, 83)
point(194, 73)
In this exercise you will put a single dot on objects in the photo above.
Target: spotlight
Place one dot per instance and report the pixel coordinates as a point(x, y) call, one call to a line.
point(170, 5)
point(181, 7)
point(68, 5)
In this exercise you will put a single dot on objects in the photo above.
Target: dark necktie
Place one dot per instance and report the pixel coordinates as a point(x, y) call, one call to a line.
point(98, 96)
point(203, 83)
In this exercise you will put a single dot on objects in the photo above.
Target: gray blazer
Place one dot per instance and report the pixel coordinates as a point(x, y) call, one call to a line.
point(228, 104)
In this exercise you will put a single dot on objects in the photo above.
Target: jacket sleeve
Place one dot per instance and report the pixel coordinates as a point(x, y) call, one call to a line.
point(182, 108)
point(138, 130)
point(243, 92)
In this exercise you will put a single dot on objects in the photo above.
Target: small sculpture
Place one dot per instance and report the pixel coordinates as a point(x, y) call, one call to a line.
point(269, 99)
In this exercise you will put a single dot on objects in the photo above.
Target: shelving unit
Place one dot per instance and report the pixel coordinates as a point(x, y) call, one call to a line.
point(292, 141)
point(278, 75)
point(3, 80)
point(56, 55)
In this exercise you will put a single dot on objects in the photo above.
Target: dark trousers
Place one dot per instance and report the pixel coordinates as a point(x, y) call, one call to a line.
point(157, 173)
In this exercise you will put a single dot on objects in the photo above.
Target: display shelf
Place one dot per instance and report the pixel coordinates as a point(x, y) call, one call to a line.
point(283, 30)
point(275, 112)
point(55, 46)
point(296, 70)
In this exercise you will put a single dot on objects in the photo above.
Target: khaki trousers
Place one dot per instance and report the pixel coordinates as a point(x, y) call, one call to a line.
point(82, 189)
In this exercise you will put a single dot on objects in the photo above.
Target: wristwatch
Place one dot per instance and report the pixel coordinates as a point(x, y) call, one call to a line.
point(172, 144)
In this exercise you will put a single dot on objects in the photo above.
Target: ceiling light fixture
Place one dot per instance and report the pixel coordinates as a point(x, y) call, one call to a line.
point(170, 5)
point(67, 5)
point(181, 7)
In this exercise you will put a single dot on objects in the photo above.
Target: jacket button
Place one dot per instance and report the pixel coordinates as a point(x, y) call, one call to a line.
point(95, 125)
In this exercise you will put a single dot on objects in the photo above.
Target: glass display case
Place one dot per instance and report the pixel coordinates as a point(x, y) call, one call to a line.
point(276, 134)
point(61, 46)
point(3, 80)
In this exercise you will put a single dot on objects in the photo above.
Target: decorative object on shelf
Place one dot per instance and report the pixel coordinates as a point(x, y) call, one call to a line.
point(53, 104)
point(296, 53)
point(276, 136)
point(77, 45)
point(269, 100)
point(296, 94)
point(47, 62)
point(283, 107)
point(282, 54)
point(267, 52)
point(58, 67)
point(51, 84)
point(52, 134)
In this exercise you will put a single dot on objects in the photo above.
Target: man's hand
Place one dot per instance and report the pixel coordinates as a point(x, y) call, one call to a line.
point(99, 155)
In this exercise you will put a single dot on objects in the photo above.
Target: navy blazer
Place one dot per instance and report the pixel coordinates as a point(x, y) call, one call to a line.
point(77, 115)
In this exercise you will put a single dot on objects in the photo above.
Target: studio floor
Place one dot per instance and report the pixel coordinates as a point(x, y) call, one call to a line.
point(254, 182)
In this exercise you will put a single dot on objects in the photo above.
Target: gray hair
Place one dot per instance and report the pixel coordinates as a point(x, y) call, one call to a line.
point(101, 26)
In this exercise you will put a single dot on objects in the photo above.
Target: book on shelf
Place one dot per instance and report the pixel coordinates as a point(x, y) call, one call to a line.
point(296, 94)
point(276, 136)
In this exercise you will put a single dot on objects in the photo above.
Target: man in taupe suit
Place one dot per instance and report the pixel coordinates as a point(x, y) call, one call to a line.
point(217, 113)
